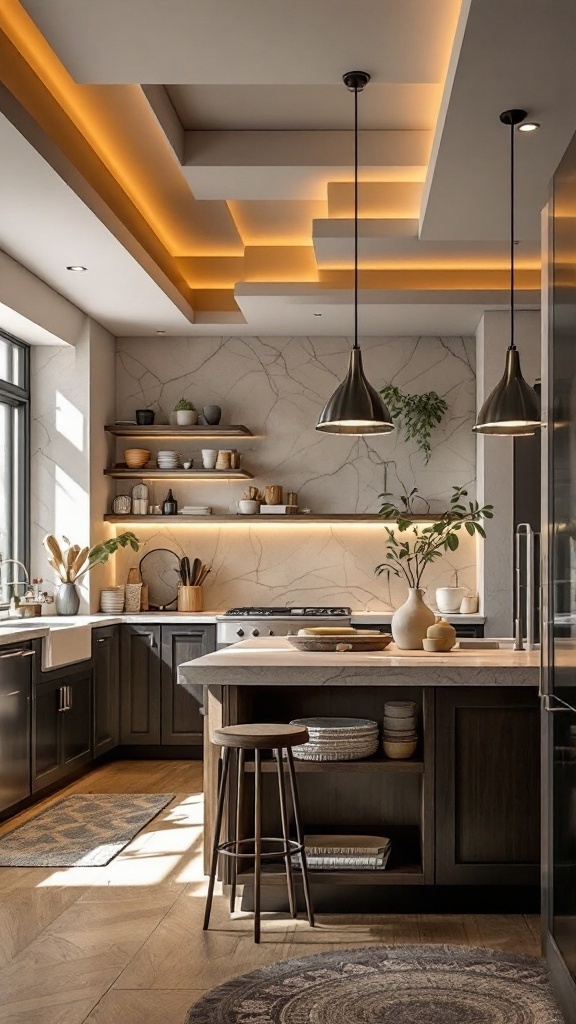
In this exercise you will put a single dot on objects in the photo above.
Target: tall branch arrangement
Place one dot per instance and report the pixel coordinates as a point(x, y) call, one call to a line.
point(73, 562)
point(410, 558)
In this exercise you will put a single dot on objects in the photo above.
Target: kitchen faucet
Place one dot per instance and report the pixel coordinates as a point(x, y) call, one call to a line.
point(13, 583)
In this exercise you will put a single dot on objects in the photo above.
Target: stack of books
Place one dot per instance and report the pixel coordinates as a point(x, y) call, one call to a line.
point(342, 853)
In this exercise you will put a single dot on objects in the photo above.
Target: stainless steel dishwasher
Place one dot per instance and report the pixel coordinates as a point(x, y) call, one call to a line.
point(15, 722)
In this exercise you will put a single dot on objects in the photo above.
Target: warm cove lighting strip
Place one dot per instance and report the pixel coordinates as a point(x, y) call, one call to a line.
point(269, 521)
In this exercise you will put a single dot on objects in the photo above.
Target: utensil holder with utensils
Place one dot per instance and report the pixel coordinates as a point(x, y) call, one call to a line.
point(189, 599)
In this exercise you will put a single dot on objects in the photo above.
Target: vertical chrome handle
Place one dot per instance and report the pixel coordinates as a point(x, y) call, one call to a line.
point(68, 698)
point(61, 698)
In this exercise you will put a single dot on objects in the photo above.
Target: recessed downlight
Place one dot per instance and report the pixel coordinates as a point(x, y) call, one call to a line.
point(529, 126)
point(77, 269)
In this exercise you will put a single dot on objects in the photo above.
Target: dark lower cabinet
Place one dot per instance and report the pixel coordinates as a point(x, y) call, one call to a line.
point(140, 685)
point(106, 688)
point(62, 719)
point(182, 721)
point(154, 709)
point(487, 786)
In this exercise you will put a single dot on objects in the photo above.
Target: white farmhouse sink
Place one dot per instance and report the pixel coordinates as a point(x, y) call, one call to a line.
point(63, 643)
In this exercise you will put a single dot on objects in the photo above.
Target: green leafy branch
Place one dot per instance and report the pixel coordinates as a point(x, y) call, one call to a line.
point(409, 558)
point(419, 414)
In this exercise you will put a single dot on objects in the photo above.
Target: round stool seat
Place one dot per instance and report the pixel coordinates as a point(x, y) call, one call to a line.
point(260, 736)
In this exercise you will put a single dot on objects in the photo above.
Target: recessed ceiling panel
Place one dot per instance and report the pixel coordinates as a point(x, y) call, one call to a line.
point(249, 42)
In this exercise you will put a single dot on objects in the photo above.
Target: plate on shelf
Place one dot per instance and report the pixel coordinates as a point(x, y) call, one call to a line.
point(160, 571)
point(341, 643)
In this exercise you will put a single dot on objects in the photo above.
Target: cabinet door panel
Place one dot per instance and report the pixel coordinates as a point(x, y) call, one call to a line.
point(487, 786)
point(106, 689)
point(77, 721)
point(140, 685)
point(47, 746)
point(182, 722)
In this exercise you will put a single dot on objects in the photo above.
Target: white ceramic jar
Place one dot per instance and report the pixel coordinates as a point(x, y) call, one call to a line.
point(449, 599)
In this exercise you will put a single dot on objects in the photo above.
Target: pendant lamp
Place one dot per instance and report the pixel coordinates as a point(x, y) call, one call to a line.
point(513, 407)
point(355, 407)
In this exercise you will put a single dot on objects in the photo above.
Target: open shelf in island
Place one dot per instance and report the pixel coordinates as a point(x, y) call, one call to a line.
point(372, 764)
point(397, 874)
point(162, 431)
point(124, 473)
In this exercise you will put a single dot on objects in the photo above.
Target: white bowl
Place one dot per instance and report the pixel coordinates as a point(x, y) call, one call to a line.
point(400, 708)
point(399, 724)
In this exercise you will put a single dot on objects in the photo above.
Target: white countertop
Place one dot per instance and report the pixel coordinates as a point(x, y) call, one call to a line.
point(251, 661)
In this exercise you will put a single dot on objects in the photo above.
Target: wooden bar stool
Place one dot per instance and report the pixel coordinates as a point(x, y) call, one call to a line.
point(240, 738)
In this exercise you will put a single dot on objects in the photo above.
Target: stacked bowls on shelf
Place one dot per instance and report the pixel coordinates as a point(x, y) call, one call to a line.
point(112, 600)
point(337, 739)
point(136, 458)
point(400, 738)
point(168, 460)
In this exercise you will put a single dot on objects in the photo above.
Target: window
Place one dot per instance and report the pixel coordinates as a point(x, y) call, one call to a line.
point(14, 456)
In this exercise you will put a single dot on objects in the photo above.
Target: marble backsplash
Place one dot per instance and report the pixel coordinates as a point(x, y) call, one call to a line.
point(276, 387)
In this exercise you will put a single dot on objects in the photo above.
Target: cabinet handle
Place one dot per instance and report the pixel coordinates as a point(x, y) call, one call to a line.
point(15, 654)
point(101, 640)
point(152, 640)
point(27, 654)
point(562, 705)
point(61, 701)
point(68, 698)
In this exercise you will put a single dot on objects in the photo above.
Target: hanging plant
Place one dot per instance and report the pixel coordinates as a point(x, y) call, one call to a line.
point(420, 414)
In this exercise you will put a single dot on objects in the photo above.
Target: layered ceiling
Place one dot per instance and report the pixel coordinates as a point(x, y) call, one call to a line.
point(197, 157)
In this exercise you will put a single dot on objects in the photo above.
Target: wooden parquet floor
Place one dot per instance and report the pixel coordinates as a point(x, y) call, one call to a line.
point(124, 942)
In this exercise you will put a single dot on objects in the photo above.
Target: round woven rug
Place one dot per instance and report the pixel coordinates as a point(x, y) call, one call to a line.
point(388, 985)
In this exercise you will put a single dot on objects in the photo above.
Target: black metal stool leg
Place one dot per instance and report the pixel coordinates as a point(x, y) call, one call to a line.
point(285, 832)
point(240, 755)
point(300, 836)
point(257, 841)
point(216, 840)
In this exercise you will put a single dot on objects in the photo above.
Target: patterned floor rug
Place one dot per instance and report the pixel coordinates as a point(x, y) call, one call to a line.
point(388, 985)
point(84, 830)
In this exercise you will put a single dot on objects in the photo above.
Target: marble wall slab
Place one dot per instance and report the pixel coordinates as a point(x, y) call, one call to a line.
point(277, 387)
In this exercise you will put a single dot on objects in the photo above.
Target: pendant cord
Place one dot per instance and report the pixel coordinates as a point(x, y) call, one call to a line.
point(356, 216)
point(512, 246)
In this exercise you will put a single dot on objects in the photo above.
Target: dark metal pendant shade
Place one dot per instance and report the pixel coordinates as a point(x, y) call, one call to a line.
point(355, 406)
point(513, 408)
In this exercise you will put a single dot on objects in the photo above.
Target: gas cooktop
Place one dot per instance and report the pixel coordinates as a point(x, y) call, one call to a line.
point(267, 612)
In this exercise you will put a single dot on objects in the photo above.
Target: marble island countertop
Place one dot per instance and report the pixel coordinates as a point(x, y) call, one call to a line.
point(272, 661)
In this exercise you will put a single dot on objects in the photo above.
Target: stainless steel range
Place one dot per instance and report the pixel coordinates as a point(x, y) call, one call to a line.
point(242, 623)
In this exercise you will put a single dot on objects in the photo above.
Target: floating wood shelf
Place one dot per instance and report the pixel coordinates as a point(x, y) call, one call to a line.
point(123, 473)
point(170, 430)
point(336, 518)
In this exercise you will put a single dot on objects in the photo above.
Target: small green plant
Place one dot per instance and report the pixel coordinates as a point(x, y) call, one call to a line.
point(419, 414)
point(184, 405)
point(409, 558)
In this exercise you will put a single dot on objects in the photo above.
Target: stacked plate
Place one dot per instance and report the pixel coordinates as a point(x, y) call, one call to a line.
point(196, 510)
point(168, 460)
point(399, 734)
point(112, 600)
point(337, 739)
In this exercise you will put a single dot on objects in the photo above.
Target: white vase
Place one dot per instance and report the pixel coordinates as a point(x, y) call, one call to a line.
point(186, 417)
point(411, 620)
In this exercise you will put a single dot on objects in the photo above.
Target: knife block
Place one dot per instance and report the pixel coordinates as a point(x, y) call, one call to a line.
point(189, 599)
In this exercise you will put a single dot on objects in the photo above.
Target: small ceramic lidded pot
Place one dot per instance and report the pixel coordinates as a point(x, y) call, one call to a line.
point(440, 637)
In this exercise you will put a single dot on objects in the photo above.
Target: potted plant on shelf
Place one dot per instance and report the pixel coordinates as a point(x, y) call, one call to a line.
point(73, 562)
point(186, 415)
point(408, 558)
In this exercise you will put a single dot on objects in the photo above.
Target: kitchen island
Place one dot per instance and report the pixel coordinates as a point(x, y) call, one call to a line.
point(462, 813)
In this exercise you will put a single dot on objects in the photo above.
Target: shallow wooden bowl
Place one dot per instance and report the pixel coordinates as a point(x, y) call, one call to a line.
point(346, 642)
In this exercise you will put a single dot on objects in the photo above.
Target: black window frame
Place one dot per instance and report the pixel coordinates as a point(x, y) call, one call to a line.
point(19, 398)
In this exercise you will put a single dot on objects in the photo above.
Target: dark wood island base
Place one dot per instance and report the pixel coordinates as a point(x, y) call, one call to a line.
point(463, 813)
